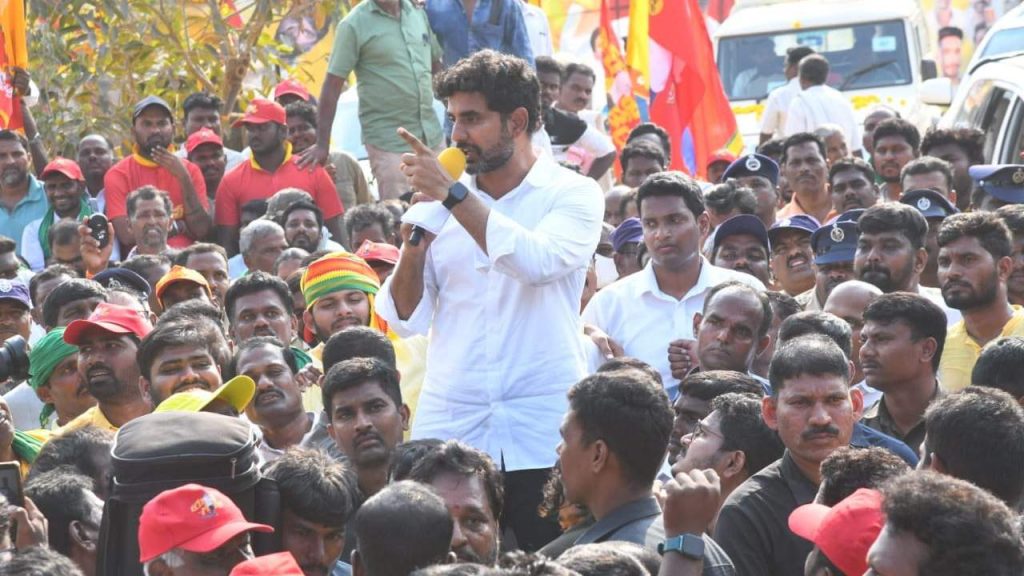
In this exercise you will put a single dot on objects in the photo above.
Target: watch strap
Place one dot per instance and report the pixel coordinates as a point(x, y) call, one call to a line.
point(456, 193)
point(689, 545)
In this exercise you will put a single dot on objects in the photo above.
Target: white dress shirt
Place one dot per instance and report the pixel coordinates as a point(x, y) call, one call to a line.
point(776, 107)
point(935, 295)
point(643, 320)
point(820, 105)
point(537, 29)
point(504, 326)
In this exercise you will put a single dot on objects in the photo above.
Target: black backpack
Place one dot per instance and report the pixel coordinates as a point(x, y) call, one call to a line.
point(166, 450)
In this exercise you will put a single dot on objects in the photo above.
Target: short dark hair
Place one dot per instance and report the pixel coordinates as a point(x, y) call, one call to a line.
point(358, 342)
point(794, 54)
point(743, 429)
point(75, 449)
point(407, 454)
point(924, 318)
point(548, 65)
point(303, 111)
point(12, 136)
point(169, 334)
point(62, 233)
point(148, 193)
point(672, 183)
point(630, 363)
point(852, 163)
point(898, 127)
point(999, 366)
point(258, 342)
point(406, 512)
point(987, 227)
point(783, 305)
point(303, 205)
point(814, 69)
point(142, 264)
point(978, 434)
point(203, 100)
point(70, 291)
point(927, 165)
point(775, 148)
point(454, 457)
point(759, 295)
point(813, 355)
point(895, 216)
point(60, 494)
point(355, 371)
point(257, 207)
point(711, 384)
point(315, 487)
point(652, 128)
point(531, 563)
point(39, 561)
point(729, 196)
point(506, 82)
point(642, 149)
point(970, 140)
point(51, 272)
point(195, 311)
point(365, 215)
point(600, 559)
point(631, 414)
point(578, 68)
point(181, 258)
point(813, 322)
point(802, 138)
point(939, 511)
point(849, 469)
point(1013, 216)
point(252, 283)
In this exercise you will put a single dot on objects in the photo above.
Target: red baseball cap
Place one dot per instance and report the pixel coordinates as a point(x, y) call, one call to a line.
point(200, 137)
point(291, 86)
point(261, 111)
point(845, 532)
point(193, 518)
point(109, 318)
point(280, 564)
point(378, 252)
point(721, 155)
point(63, 166)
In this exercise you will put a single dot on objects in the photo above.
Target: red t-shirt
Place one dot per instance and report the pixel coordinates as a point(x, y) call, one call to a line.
point(248, 182)
point(135, 172)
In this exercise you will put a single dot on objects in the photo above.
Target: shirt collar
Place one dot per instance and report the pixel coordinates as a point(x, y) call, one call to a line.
point(287, 157)
point(705, 279)
point(802, 488)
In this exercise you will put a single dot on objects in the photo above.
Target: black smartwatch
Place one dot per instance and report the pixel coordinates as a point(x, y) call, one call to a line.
point(456, 193)
point(689, 545)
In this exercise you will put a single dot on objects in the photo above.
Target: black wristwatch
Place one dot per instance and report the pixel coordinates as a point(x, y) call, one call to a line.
point(456, 193)
point(689, 545)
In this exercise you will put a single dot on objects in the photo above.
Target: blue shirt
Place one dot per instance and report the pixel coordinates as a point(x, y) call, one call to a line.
point(864, 437)
point(496, 24)
point(32, 207)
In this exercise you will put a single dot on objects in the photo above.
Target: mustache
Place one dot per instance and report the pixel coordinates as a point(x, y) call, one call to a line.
point(368, 435)
point(956, 284)
point(829, 430)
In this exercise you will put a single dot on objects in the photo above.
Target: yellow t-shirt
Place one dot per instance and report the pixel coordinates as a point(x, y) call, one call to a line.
point(961, 352)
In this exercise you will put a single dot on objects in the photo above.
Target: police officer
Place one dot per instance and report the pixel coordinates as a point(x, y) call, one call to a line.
point(834, 245)
point(996, 185)
point(934, 206)
point(761, 174)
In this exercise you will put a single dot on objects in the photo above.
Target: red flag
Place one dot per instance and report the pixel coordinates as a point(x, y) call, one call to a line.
point(624, 114)
point(692, 106)
point(233, 18)
point(13, 53)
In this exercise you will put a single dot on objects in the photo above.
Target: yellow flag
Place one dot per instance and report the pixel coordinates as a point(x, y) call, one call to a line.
point(12, 20)
point(638, 47)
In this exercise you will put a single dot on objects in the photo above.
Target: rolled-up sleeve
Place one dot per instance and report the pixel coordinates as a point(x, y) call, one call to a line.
point(421, 318)
point(562, 242)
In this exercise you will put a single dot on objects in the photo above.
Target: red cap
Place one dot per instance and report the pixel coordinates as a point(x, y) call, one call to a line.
point(109, 318)
point(378, 252)
point(845, 532)
point(291, 86)
point(193, 518)
point(200, 137)
point(721, 155)
point(261, 111)
point(280, 564)
point(63, 166)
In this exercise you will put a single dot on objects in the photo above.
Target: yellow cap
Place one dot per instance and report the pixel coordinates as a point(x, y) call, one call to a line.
point(237, 392)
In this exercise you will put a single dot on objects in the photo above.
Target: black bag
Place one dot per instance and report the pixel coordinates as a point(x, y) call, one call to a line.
point(161, 451)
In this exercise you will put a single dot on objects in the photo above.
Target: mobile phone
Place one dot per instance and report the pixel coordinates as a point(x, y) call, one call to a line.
point(10, 483)
point(98, 229)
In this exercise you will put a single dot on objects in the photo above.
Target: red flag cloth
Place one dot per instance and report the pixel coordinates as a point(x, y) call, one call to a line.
point(233, 19)
point(692, 106)
point(624, 114)
point(13, 52)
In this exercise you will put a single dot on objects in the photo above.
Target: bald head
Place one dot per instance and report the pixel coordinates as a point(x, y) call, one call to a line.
point(848, 301)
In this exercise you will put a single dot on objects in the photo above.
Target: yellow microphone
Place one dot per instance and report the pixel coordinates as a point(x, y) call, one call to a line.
point(453, 161)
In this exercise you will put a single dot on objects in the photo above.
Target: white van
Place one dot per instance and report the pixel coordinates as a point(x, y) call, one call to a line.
point(877, 50)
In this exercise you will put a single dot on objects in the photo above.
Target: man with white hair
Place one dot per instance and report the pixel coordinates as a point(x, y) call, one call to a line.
point(260, 243)
point(836, 147)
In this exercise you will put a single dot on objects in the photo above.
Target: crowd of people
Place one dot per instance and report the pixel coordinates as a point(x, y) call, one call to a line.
point(241, 362)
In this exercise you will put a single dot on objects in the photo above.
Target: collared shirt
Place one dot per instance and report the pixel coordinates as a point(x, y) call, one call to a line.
point(793, 208)
point(134, 172)
point(865, 437)
point(809, 300)
point(392, 57)
point(496, 24)
point(32, 206)
point(504, 326)
point(820, 105)
point(640, 522)
point(537, 28)
point(877, 417)
point(91, 417)
point(961, 352)
point(636, 313)
point(776, 107)
point(26, 407)
point(753, 525)
point(250, 181)
point(317, 437)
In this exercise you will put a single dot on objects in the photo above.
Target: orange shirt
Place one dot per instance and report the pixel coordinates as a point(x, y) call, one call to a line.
point(135, 172)
point(248, 182)
point(794, 208)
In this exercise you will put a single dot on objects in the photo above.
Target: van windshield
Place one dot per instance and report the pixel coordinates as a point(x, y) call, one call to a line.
point(867, 55)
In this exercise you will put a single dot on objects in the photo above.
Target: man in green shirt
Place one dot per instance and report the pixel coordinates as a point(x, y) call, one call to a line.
point(390, 47)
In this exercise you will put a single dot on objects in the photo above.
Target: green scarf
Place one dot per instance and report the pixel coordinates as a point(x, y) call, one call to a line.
point(43, 358)
point(48, 219)
point(26, 446)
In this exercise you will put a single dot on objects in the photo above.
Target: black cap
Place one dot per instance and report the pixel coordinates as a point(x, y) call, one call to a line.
point(151, 101)
point(930, 203)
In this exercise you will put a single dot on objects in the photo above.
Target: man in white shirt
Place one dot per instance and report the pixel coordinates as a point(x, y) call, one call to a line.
point(650, 313)
point(537, 28)
point(777, 105)
point(819, 104)
point(499, 287)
